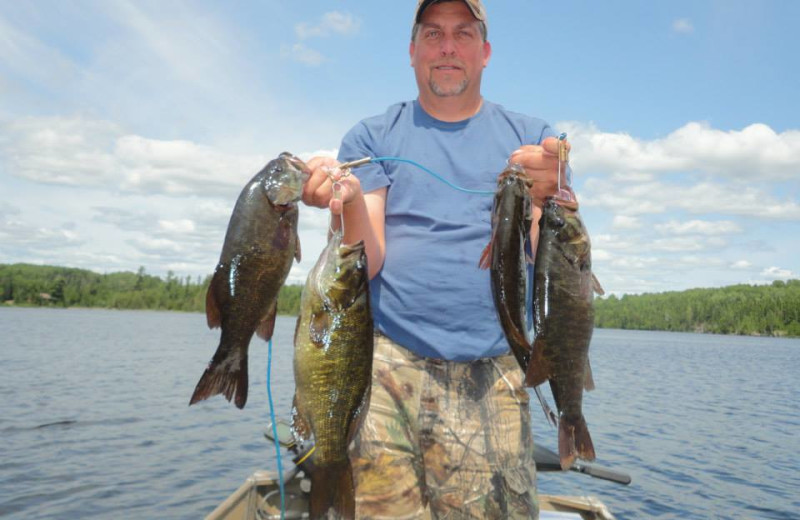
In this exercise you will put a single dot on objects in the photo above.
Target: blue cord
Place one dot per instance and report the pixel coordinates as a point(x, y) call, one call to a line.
point(434, 174)
point(275, 431)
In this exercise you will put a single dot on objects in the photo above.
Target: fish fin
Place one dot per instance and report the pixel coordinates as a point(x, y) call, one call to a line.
point(297, 254)
point(588, 383)
point(529, 259)
point(596, 286)
point(282, 236)
point(332, 491)
point(548, 412)
point(267, 324)
point(225, 379)
point(574, 441)
point(213, 314)
point(538, 368)
point(486, 256)
point(358, 416)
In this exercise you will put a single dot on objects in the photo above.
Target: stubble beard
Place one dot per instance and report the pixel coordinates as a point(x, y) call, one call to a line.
point(455, 90)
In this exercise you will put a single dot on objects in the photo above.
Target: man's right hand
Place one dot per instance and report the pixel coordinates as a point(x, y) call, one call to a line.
point(318, 190)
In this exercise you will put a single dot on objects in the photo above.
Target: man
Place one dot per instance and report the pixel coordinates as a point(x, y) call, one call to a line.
point(448, 430)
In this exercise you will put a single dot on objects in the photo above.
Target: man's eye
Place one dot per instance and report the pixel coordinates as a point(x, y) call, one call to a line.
point(432, 34)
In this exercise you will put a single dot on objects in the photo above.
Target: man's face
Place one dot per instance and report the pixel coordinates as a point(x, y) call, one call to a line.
point(448, 53)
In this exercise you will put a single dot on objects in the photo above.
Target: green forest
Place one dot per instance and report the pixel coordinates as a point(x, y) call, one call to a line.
point(768, 310)
point(771, 310)
point(39, 285)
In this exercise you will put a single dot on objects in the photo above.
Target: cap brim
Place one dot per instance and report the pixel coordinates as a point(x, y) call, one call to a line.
point(427, 3)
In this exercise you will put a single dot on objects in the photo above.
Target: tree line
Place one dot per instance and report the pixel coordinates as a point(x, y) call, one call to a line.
point(772, 310)
point(44, 285)
point(769, 310)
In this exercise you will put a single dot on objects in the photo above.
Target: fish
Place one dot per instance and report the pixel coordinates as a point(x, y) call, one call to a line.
point(564, 288)
point(507, 258)
point(333, 348)
point(260, 245)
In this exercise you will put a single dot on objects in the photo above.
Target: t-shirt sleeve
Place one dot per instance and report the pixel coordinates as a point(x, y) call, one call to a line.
point(359, 142)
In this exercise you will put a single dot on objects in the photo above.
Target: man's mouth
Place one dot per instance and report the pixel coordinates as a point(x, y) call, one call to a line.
point(447, 68)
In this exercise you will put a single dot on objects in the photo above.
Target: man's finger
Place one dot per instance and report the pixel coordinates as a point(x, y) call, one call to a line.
point(550, 145)
point(526, 149)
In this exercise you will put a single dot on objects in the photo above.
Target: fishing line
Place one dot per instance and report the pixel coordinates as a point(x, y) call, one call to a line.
point(431, 173)
point(275, 430)
point(563, 158)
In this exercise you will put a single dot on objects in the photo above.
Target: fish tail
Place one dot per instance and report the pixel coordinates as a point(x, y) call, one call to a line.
point(224, 378)
point(332, 491)
point(574, 441)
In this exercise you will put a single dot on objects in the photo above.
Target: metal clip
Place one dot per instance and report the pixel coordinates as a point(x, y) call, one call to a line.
point(563, 154)
point(336, 175)
point(354, 164)
point(563, 159)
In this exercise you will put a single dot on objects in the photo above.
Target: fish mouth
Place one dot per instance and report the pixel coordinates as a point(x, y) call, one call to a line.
point(346, 250)
point(298, 164)
point(514, 173)
point(565, 199)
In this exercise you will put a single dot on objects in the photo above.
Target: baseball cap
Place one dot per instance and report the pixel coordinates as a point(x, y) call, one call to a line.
point(475, 6)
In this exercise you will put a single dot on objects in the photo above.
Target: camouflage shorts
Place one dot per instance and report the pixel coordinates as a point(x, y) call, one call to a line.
point(444, 440)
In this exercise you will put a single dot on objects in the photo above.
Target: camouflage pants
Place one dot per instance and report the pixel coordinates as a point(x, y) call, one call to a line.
point(444, 440)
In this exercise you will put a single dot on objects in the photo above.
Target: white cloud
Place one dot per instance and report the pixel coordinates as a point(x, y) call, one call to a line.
point(333, 22)
point(683, 26)
point(72, 151)
point(623, 222)
point(755, 152)
point(302, 54)
point(177, 226)
point(698, 227)
point(741, 264)
point(657, 197)
point(681, 244)
point(98, 154)
point(20, 235)
point(776, 273)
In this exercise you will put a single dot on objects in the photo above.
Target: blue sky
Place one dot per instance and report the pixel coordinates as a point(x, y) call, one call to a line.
point(127, 128)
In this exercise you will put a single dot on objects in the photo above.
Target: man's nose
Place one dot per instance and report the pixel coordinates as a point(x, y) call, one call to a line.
point(448, 46)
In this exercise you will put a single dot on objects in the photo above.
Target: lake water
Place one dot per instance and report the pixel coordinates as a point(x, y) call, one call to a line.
point(95, 423)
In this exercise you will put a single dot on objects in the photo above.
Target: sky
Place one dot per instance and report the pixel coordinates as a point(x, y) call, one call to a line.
point(128, 128)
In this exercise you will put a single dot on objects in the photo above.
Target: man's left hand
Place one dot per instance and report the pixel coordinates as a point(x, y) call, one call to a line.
point(541, 165)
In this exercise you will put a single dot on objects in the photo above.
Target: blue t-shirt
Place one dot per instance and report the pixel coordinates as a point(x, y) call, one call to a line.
point(431, 296)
